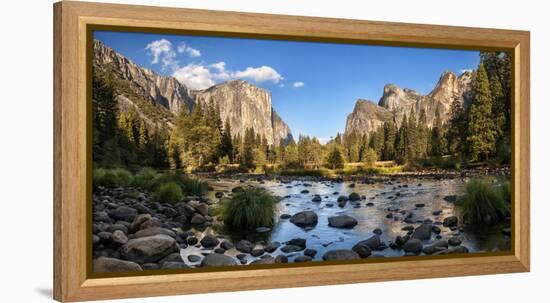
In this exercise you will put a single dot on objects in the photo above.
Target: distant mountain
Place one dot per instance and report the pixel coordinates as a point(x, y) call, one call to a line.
point(395, 102)
point(158, 98)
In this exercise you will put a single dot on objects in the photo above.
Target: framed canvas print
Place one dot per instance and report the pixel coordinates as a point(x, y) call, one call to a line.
point(202, 151)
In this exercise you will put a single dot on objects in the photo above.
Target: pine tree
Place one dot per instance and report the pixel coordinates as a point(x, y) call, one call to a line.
point(481, 134)
point(401, 142)
point(227, 141)
point(390, 133)
point(335, 159)
point(248, 148)
point(104, 108)
point(456, 126)
point(412, 138)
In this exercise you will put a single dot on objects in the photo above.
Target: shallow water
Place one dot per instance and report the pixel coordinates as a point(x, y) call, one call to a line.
point(401, 197)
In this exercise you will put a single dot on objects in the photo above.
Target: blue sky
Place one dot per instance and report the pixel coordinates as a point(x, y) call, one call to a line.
point(314, 86)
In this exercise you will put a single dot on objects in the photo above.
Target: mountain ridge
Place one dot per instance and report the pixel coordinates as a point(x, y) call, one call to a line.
point(242, 103)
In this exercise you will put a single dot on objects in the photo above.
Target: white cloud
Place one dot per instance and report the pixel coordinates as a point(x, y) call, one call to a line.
point(162, 51)
point(201, 75)
point(298, 84)
point(194, 76)
point(260, 74)
point(462, 71)
point(183, 48)
point(281, 85)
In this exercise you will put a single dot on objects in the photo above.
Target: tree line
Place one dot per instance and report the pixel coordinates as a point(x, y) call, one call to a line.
point(479, 131)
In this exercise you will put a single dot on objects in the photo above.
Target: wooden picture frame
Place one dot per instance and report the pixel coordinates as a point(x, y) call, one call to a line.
point(72, 20)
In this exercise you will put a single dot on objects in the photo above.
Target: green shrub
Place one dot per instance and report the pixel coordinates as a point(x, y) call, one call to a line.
point(145, 177)
point(483, 203)
point(251, 208)
point(123, 176)
point(169, 193)
point(189, 185)
point(506, 192)
point(112, 177)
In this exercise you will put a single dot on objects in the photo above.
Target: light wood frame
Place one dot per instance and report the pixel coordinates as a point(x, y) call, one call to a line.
point(72, 170)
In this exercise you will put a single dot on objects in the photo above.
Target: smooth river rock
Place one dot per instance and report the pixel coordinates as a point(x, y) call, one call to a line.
point(104, 264)
point(212, 260)
point(340, 254)
point(306, 218)
point(342, 221)
point(149, 249)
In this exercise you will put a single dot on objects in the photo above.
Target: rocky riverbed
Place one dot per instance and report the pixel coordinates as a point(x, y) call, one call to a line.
point(317, 220)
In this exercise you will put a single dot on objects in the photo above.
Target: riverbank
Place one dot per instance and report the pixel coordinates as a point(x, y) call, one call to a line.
point(318, 219)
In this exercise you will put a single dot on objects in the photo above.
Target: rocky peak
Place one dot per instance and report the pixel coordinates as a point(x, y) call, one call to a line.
point(166, 91)
point(244, 104)
point(396, 102)
point(366, 117)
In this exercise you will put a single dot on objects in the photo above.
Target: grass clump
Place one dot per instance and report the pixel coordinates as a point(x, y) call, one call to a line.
point(168, 193)
point(112, 177)
point(145, 177)
point(484, 203)
point(249, 209)
point(189, 185)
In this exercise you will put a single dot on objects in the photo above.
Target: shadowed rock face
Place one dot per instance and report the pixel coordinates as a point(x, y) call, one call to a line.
point(244, 104)
point(166, 91)
point(395, 102)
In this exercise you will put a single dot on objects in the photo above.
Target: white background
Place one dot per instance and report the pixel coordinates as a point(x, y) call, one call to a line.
point(26, 149)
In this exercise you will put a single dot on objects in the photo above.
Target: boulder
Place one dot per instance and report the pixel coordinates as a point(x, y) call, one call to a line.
point(354, 197)
point(362, 250)
point(300, 259)
point(118, 238)
point(310, 252)
point(298, 242)
point(124, 213)
point(151, 231)
point(340, 254)
point(450, 221)
point(227, 245)
point(342, 221)
point(104, 264)
point(435, 247)
point(212, 260)
point(174, 265)
point(373, 242)
point(306, 218)
point(173, 257)
point(209, 241)
point(244, 246)
point(317, 198)
point(422, 232)
point(149, 249)
point(281, 259)
point(198, 219)
point(271, 247)
point(413, 246)
point(454, 241)
point(291, 248)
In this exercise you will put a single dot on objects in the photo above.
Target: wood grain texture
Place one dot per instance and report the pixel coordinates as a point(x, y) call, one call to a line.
point(70, 146)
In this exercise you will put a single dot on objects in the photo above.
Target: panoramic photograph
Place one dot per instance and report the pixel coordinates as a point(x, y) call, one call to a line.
point(215, 152)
